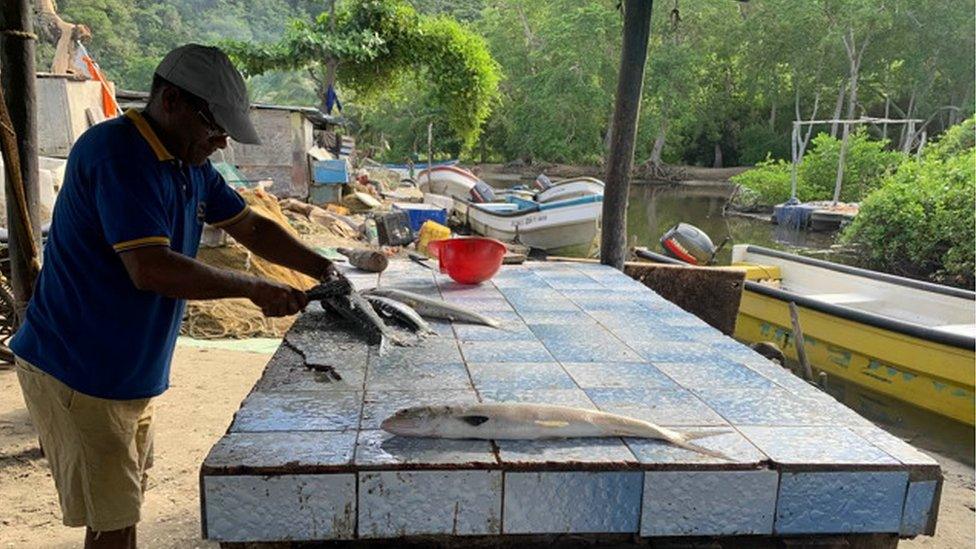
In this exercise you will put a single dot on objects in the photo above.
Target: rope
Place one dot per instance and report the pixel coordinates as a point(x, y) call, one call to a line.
point(23, 35)
point(8, 142)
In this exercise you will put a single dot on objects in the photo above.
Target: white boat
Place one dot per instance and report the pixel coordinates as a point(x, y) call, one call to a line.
point(559, 226)
point(450, 181)
point(570, 188)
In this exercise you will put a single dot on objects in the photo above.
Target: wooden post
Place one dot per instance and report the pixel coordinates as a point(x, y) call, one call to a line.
point(430, 150)
point(841, 160)
point(801, 352)
point(17, 80)
point(633, 56)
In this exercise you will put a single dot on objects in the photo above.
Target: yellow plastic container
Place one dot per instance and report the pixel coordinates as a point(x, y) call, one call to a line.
point(430, 231)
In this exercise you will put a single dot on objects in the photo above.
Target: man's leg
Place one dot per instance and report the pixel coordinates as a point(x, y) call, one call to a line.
point(98, 450)
point(115, 539)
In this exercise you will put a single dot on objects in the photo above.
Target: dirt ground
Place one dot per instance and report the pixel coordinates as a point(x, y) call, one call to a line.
point(207, 387)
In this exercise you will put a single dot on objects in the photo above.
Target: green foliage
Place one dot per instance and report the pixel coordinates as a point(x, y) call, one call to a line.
point(921, 222)
point(866, 165)
point(766, 184)
point(378, 45)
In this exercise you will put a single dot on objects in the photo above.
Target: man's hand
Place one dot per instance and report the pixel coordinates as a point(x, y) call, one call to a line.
point(277, 299)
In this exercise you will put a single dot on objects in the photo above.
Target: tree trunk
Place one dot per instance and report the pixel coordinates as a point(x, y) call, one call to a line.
point(854, 55)
point(772, 117)
point(633, 57)
point(884, 127)
point(905, 133)
point(658, 147)
point(813, 116)
point(18, 85)
point(838, 107)
point(718, 156)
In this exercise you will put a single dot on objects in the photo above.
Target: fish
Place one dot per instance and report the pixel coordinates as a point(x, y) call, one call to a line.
point(400, 311)
point(527, 421)
point(356, 308)
point(435, 308)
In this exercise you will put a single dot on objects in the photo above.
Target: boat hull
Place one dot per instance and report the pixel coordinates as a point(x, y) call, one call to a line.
point(926, 374)
point(565, 230)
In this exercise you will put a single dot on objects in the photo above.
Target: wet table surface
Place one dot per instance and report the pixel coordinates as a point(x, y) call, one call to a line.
point(304, 458)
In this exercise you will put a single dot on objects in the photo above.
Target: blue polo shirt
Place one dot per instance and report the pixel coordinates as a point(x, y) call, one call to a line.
point(87, 324)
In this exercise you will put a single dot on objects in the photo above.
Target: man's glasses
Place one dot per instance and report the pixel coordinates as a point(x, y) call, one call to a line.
point(213, 129)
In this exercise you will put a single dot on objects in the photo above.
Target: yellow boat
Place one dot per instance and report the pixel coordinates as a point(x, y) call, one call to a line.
point(906, 339)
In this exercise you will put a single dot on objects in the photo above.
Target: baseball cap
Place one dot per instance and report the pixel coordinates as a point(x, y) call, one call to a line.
point(207, 73)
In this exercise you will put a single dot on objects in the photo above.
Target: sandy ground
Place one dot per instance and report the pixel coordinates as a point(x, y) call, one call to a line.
point(207, 387)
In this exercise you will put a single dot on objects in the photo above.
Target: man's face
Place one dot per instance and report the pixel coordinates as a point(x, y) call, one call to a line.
point(196, 135)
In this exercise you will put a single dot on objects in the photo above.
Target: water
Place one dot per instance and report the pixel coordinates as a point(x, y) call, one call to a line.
point(654, 209)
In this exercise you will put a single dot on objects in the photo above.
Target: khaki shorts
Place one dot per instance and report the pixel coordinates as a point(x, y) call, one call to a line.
point(98, 449)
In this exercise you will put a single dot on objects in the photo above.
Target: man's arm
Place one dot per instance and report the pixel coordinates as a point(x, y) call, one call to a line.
point(272, 242)
point(161, 270)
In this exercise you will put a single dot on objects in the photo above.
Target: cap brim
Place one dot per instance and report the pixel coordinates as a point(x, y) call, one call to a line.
point(237, 124)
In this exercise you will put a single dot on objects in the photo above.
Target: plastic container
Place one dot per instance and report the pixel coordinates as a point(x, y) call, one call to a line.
point(421, 213)
point(469, 260)
point(430, 231)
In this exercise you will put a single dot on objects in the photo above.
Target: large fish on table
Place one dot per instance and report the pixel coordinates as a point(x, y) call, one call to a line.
point(435, 308)
point(523, 421)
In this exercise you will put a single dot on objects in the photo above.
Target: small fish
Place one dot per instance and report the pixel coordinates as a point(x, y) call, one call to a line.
point(524, 421)
point(435, 308)
point(400, 311)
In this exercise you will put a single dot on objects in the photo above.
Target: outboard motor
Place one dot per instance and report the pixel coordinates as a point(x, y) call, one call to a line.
point(543, 182)
point(689, 244)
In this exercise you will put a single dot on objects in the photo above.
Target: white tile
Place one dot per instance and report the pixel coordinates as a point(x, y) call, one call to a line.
point(280, 508)
point(410, 503)
point(709, 503)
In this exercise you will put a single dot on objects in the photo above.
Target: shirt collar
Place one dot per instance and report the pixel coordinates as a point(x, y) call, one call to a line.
point(149, 135)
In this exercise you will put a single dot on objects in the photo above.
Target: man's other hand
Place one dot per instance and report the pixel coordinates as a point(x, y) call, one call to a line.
point(277, 299)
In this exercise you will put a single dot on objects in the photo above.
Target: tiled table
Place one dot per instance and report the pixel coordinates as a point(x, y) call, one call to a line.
point(304, 458)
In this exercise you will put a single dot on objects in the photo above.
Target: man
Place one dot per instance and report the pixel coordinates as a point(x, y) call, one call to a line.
point(100, 329)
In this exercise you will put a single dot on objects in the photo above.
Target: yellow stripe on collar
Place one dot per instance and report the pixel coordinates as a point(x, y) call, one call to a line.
point(149, 135)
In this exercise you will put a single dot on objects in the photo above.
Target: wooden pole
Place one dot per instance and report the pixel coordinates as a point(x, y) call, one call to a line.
point(637, 31)
point(430, 150)
point(794, 152)
point(840, 161)
point(17, 81)
point(801, 351)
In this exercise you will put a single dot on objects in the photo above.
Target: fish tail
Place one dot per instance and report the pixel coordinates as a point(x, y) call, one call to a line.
point(701, 450)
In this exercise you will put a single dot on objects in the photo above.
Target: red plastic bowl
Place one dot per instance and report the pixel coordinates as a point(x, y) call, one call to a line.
point(468, 260)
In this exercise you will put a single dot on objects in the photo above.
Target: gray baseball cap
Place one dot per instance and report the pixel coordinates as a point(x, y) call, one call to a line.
point(207, 73)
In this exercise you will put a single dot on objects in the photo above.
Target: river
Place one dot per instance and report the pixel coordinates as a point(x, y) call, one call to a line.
point(656, 208)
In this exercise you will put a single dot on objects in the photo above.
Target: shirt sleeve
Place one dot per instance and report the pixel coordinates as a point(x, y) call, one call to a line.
point(132, 205)
point(224, 205)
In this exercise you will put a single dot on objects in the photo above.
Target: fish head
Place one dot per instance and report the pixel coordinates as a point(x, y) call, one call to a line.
point(419, 420)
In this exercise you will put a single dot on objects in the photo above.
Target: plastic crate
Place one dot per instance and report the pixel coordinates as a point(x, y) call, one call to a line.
point(419, 213)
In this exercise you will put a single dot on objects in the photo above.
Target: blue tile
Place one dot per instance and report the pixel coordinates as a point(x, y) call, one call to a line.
point(485, 306)
point(508, 331)
point(724, 440)
point(660, 406)
point(709, 503)
point(840, 502)
point(562, 397)
point(763, 406)
point(394, 504)
point(299, 411)
point(282, 448)
point(609, 451)
point(573, 318)
point(582, 344)
point(489, 376)
point(451, 289)
point(572, 502)
point(618, 375)
point(815, 445)
point(921, 506)
point(670, 351)
point(431, 350)
point(376, 447)
point(895, 447)
point(505, 351)
point(525, 282)
point(381, 404)
point(418, 376)
point(722, 375)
